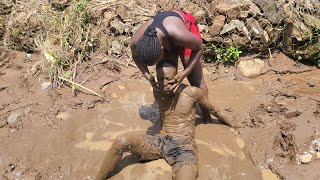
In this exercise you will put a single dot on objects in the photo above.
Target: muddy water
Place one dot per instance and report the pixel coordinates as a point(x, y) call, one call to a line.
point(275, 137)
point(222, 152)
point(74, 146)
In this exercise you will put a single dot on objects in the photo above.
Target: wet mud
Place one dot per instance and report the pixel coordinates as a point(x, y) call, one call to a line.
point(48, 134)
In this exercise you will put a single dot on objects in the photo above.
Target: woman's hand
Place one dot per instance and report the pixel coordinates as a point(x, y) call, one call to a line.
point(154, 84)
point(176, 81)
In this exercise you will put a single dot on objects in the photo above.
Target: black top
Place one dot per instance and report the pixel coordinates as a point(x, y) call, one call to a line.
point(158, 22)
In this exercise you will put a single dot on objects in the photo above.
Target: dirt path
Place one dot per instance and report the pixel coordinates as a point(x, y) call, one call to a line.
point(48, 134)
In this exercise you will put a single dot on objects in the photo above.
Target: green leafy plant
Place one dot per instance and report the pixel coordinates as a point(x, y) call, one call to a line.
point(219, 54)
point(298, 55)
point(223, 55)
point(231, 54)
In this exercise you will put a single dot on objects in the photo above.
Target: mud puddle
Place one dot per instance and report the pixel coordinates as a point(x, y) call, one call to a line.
point(222, 152)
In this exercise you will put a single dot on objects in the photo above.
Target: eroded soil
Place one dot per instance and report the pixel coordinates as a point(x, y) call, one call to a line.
point(46, 133)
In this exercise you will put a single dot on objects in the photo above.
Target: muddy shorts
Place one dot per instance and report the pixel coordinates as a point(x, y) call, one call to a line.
point(191, 25)
point(177, 153)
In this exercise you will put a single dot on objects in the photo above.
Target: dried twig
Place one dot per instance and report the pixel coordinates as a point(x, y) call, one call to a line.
point(79, 85)
point(270, 56)
point(270, 53)
point(73, 79)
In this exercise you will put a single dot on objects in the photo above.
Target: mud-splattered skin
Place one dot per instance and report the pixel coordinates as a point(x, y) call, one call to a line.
point(178, 108)
point(177, 113)
point(176, 141)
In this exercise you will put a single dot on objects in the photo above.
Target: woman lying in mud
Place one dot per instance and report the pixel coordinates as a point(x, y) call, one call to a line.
point(176, 140)
point(167, 35)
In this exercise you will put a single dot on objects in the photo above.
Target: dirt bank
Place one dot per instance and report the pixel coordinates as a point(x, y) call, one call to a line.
point(47, 133)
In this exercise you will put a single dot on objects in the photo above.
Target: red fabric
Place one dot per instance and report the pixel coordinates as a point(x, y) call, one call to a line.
point(191, 25)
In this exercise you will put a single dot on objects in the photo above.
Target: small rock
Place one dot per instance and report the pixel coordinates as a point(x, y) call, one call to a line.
point(232, 10)
point(317, 144)
point(218, 23)
point(3, 123)
point(1, 89)
point(238, 40)
point(265, 39)
point(311, 84)
point(227, 42)
point(118, 27)
point(254, 10)
point(292, 113)
point(12, 167)
point(254, 28)
point(300, 31)
point(256, 44)
point(251, 68)
point(226, 71)
point(304, 158)
point(88, 178)
point(201, 16)
point(116, 47)
point(29, 55)
point(228, 109)
point(273, 11)
point(311, 20)
point(45, 85)
point(244, 14)
point(236, 24)
point(13, 118)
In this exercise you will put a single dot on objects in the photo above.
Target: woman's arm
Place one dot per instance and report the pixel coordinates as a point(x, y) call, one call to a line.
point(144, 69)
point(184, 38)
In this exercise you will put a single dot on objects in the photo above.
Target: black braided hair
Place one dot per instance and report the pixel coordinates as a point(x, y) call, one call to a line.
point(148, 47)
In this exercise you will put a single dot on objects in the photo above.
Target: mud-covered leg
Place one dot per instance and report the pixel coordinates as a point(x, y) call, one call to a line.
point(112, 157)
point(137, 143)
point(186, 172)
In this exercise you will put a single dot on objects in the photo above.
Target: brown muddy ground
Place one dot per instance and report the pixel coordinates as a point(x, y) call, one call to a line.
point(47, 133)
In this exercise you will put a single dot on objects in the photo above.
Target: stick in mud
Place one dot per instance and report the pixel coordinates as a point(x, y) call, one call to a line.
point(79, 85)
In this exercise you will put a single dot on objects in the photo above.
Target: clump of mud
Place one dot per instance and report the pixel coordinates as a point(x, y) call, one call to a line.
point(6, 7)
point(59, 5)
point(2, 28)
point(22, 30)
